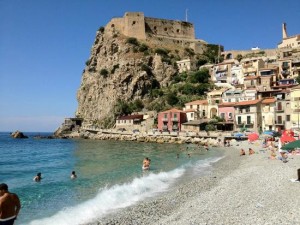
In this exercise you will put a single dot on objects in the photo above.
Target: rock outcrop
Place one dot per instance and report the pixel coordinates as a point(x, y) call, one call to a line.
point(18, 134)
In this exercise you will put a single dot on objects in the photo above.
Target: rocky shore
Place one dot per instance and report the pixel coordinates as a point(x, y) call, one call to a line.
point(250, 189)
point(141, 137)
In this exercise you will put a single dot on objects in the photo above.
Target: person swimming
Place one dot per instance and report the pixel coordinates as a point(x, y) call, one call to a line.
point(38, 177)
point(73, 175)
point(146, 164)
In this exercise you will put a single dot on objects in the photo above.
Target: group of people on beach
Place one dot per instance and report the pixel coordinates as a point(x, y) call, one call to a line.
point(243, 152)
point(38, 177)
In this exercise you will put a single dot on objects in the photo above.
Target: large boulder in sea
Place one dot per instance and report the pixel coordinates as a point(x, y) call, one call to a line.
point(18, 134)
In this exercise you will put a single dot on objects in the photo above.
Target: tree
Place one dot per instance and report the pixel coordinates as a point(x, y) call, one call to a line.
point(172, 98)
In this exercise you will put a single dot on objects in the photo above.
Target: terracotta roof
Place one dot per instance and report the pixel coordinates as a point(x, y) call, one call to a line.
point(198, 102)
point(227, 104)
point(172, 110)
point(250, 77)
point(268, 100)
point(251, 102)
point(130, 117)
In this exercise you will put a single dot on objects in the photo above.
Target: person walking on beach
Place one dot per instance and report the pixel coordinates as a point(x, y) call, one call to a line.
point(242, 152)
point(38, 177)
point(9, 206)
point(73, 175)
point(251, 151)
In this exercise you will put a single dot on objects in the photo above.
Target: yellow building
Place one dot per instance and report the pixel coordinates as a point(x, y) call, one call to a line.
point(295, 105)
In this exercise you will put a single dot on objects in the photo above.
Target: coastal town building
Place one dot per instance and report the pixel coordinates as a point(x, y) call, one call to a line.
point(129, 122)
point(289, 42)
point(267, 113)
point(295, 108)
point(196, 110)
point(171, 120)
point(186, 65)
point(248, 115)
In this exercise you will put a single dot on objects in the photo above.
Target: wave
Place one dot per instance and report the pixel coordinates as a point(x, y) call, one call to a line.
point(116, 197)
point(120, 196)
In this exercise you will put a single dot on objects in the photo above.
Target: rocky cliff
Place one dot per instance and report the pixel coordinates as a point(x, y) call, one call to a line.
point(124, 68)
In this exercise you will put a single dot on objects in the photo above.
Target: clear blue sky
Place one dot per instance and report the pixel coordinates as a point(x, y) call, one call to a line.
point(44, 45)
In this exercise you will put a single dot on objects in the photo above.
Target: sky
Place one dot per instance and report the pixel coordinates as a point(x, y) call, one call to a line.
point(44, 45)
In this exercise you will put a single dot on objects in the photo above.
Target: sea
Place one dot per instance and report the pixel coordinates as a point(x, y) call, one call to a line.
point(109, 175)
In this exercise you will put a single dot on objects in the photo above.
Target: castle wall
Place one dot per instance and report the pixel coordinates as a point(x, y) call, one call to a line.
point(170, 28)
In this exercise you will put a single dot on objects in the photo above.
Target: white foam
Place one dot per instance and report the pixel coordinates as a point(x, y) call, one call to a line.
point(118, 196)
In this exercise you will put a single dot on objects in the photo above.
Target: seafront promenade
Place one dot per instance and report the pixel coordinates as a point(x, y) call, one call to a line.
point(214, 138)
point(250, 189)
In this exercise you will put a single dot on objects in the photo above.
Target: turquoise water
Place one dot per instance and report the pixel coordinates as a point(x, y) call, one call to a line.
point(109, 175)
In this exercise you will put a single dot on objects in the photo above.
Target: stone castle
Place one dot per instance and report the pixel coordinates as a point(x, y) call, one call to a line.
point(135, 24)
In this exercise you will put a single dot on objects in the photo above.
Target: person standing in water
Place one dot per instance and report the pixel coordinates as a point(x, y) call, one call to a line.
point(38, 177)
point(146, 163)
point(73, 175)
point(9, 206)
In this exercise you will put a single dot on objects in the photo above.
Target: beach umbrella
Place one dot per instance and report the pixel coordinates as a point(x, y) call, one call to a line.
point(268, 132)
point(272, 133)
point(253, 136)
point(287, 138)
point(291, 145)
point(238, 134)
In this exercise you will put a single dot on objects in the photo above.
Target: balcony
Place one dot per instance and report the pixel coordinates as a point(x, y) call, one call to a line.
point(165, 127)
point(165, 119)
point(174, 119)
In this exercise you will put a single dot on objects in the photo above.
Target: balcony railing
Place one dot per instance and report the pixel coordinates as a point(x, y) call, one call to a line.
point(279, 109)
point(174, 119)
point(165, 119)
point(165, 127)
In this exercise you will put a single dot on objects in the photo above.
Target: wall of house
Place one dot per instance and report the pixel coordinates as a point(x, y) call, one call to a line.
point(227, 111)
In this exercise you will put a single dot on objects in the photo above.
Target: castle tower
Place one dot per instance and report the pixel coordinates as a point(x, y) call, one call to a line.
point(134, 25)
point(284, 33)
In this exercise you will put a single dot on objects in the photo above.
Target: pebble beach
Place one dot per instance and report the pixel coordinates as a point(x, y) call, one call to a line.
point(249, 189)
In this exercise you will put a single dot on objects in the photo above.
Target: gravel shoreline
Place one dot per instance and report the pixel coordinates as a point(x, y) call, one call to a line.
point(239, 190)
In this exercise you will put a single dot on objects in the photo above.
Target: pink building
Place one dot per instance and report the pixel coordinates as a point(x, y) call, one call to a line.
point(171, 120)
point(226, 111)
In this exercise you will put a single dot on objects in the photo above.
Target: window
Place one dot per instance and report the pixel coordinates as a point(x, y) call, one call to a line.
point(191, 106)
point(222, 115)
point(192, 115)
point(248, 119)
point(239, 120)
point(165, 115)
point(203, 113)
point(175, 115)
point(230, 115)
point(288, 117)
